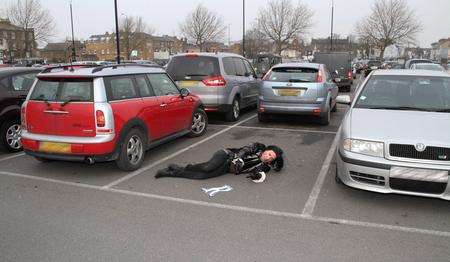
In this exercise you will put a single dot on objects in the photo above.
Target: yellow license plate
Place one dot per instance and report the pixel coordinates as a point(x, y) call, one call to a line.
point(289, 92)
point(187, 83)
point(51, 147)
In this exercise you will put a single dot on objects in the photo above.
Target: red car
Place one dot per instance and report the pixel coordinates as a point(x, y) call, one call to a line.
point(110, 113)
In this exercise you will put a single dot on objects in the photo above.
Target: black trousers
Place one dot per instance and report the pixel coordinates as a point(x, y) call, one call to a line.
point(218, 165)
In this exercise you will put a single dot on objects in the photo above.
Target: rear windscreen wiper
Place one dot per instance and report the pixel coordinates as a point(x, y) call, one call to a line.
point(298, 81)
point(71, 100)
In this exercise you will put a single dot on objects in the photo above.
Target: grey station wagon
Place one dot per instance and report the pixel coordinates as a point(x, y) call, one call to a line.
point(226, 83)
point(300, 89)
point(395, 138)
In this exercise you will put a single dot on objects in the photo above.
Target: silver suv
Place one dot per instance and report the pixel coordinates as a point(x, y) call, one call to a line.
point(226, 83)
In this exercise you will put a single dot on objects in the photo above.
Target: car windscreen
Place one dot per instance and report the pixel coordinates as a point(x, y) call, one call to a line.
point(63, 90)
point(292, 74)
point(432, 67)
point(192, 67)
point(374, 63)
point(416, 93)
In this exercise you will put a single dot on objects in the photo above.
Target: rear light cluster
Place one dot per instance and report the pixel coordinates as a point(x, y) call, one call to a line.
point(100, 116)
point(103, 124)
point(349, 74)
point(319, 77)
point(217, 81)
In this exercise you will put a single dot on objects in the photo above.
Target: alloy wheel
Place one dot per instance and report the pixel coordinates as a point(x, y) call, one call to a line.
point(13, 137)
point(198, 123)
point(134, 149)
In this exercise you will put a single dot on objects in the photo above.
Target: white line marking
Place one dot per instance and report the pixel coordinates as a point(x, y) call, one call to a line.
point(312, 199)
point(239, 208)
point(143, 169)
point(288, 129)
point(11, 157)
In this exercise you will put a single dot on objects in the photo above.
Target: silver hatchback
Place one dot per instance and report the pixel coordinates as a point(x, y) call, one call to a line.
point(395, 138)
point(299, 89)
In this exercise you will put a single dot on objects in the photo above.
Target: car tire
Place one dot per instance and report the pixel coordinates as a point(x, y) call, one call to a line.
point(325, 120)
point(235, 111)
point(132, 151)
point(42, 159)
point(199, 123)
point(337, 179)
point(10, 135)
point(263, 118)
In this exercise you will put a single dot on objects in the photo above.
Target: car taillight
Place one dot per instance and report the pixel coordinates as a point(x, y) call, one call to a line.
point(319, 77)
point(23, 117)
point(101, 121)
point(349, 74)
point(191, 55)
point(214, 81)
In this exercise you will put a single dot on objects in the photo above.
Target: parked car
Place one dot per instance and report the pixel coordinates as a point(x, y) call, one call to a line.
point(226, 83)
point(264, 62)
point(411, 62)
point(371, 66)
point(395, 135)
point(339, 64)
point(428, 66)
point(111, 113)
point(301, 89)
point(15, 82)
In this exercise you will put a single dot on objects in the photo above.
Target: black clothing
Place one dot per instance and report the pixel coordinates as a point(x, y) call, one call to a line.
point(222, 162)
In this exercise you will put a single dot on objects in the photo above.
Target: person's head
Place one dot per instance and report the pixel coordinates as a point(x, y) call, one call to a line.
point(273, 156)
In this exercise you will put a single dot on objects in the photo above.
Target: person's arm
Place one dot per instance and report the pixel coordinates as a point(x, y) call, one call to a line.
point(259, 173)
point(250, 149)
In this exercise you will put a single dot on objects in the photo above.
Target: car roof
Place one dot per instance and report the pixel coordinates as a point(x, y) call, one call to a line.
point(307, 65)
point(105, 71)
point(218, 55)
point(5, 71)
point(409, 72)
point(426, 64)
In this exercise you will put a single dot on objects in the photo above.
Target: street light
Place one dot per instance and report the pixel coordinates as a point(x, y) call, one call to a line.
point(332, 22)
point(243, 28)
point(117, 33)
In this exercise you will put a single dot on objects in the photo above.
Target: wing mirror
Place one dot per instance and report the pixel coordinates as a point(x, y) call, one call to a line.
point(184, 92)
point(344, 99)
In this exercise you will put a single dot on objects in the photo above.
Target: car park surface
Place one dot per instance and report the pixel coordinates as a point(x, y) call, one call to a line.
point(98, 212)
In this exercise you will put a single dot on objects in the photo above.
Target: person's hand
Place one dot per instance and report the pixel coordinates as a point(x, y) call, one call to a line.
point(258, 177)
point(238, 165)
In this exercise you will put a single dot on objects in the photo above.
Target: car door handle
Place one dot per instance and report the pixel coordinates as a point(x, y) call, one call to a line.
point(163, 105)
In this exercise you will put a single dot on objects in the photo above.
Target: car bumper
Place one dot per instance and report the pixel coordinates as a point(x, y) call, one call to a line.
point(291, 108)
point(374, 174)
point(100, 148)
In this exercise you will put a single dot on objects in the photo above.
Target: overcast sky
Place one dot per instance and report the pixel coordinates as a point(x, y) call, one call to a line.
point(97, 16)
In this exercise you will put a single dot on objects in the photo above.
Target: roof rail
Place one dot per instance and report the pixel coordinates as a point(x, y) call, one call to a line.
point(66, 67)
point(100, 68)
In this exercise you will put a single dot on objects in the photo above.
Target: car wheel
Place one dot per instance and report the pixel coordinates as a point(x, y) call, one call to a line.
point(325, 120)
point(42, 159)
point(132, 151)
point(235, 111)
point(10, 135)
point(263, 118)
point(199, 123)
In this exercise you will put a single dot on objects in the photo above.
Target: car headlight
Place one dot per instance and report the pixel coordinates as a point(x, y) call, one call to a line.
point(370, 148)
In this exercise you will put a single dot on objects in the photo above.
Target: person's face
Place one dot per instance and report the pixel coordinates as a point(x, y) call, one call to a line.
point(268, 156)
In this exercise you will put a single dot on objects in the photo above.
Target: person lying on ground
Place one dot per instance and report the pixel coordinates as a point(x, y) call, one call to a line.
point(255, 159)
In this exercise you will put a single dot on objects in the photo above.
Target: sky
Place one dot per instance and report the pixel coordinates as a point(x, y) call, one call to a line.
point(97, 16)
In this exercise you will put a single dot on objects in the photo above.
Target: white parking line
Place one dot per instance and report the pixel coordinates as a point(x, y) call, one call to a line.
point(11, 156)
point(288, 129)
point(312, 199)
point(241, 208)
point(143, 169)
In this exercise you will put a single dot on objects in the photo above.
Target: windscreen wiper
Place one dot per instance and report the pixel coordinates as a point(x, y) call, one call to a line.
point(70, 100)
point(402, 108)
point(298, 81)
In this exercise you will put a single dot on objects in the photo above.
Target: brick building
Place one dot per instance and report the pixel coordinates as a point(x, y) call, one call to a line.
point(15, 42)
point(62, 52)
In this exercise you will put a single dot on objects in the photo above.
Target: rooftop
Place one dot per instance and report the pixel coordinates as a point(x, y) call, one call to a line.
point(106, 71)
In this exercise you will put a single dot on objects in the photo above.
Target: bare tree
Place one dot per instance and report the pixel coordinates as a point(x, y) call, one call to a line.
point(282, 21)
point(256, 42)
point(391, 22)
point(134, 34)
point(202, 26)
point(29, 14)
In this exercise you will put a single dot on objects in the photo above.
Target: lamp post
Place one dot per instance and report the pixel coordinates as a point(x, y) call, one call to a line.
point(117, 33)
point(243, 28)
point(332, 22)
point(74, 54)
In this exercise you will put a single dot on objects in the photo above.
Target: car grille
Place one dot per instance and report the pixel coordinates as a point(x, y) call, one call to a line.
point(368, 179)
point(430, 153)
point(417, 186)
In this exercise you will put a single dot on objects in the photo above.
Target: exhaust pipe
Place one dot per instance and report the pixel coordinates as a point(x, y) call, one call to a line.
point(89, 160)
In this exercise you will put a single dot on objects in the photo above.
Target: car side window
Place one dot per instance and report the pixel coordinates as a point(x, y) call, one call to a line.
point(23, 82)
point(249, 68)
point(162, 85)
point(143, 86)
point(229, 67)
point(240, 67)
point(120, 88)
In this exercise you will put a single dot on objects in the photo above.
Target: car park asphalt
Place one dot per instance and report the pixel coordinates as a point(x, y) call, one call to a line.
point(61, 211)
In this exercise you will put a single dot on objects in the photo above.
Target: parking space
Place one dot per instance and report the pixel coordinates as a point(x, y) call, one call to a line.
point(97, 174)
point(285, 191)
point(340, 201)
